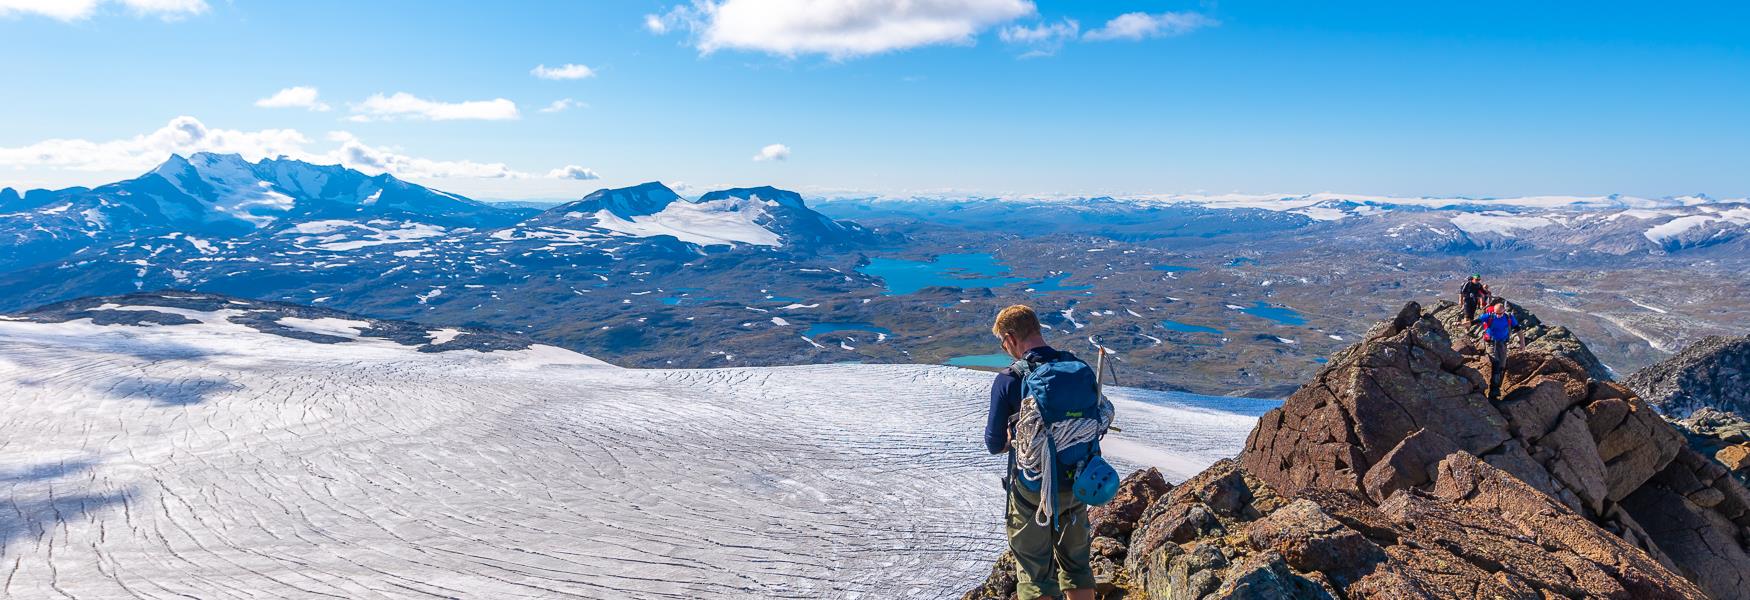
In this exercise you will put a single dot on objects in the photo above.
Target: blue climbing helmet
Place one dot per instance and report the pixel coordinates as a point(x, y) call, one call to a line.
point(1097, 482)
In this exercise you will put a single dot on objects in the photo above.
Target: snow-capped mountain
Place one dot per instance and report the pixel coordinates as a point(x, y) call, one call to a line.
point(763, 216)
point(227, 204)
point(223, 196)
point(1608, 225)
point(185, 444)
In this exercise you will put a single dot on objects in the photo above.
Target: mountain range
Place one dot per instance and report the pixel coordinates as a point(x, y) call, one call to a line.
point(1222, 294)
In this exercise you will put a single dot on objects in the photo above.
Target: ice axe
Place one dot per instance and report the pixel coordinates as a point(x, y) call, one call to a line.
point(1099, 374)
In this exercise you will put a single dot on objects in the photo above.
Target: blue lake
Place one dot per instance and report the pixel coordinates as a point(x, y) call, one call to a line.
point(1241, 260)
point(958, 270)
point(678, 300)
point(1054, 283)
point(1188, 328)
point(820, 328)
point(1173, 268)
point(1279, 314)
point(982, 360)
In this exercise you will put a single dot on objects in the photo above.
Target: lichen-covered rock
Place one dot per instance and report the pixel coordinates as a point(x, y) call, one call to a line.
point(1136, 492)
point(1000, 585)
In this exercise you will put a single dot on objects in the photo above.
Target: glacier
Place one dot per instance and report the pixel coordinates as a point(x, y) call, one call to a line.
point(212, 459)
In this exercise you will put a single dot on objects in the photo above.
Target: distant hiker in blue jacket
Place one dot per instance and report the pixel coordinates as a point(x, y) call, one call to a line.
point(1048, 561)
point(1498, 325)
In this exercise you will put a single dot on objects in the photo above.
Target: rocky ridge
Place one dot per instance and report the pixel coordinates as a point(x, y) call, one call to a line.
point(1390, 475)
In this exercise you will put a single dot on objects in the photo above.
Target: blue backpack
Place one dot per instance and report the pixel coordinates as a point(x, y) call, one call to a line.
point(1067, 388)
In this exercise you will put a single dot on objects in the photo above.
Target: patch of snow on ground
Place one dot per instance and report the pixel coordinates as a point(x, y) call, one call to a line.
point(443, 336)
point(349, 328)
point(1648, 306)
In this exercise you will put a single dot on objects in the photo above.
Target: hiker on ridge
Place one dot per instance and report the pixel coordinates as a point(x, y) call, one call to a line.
point(1470, 295)
point(1053, 557)
point(1498, 325)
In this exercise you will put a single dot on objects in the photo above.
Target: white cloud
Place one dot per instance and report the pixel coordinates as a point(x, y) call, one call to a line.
point(773, 152)
point(356, 154)
point(183, 135)
point(563, 104)
point(293, 97)
point(1139, 25)
point(75, 10)
point(566, 71)
point(404, 105)
point(836, 28)
point(1045, 39)
point(187, 135)
point(167, 8)
point(573, 172)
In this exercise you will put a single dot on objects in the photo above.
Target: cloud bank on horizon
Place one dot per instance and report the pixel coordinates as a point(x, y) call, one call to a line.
point(186, 135)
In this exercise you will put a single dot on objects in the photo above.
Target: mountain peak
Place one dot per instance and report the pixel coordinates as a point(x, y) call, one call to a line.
point(174, 165)
point(643, 199)
point(764, 192)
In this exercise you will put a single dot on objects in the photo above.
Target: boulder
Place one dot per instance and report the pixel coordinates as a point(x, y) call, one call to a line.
point(1736, 458)
point(1136, 492)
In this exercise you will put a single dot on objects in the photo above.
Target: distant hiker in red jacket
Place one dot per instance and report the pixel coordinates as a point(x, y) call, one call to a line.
point(1498, 325)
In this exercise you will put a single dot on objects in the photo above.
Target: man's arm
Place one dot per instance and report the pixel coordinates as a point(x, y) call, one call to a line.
point(1002, 406)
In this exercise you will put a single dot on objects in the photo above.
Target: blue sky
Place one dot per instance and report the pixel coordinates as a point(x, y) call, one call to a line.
point(970, 96)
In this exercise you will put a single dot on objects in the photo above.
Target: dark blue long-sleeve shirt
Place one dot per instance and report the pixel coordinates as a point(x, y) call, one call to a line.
point(1005, 401)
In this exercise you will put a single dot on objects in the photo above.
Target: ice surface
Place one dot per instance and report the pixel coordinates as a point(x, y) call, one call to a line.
point(212, 460)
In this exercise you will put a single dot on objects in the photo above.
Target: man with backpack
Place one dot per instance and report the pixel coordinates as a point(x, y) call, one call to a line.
point(1470, 295)
point(1498, 325)
point(1046, 386)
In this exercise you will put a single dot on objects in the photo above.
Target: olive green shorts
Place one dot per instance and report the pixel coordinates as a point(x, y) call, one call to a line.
point(1049, 561)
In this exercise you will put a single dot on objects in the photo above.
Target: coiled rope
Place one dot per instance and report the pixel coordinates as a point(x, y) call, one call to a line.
point(1036, 451)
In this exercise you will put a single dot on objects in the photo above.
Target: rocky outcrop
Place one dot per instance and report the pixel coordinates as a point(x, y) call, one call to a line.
point(1712, 373)
point(1390, 475)
point(1722, 435)
point(1705, 391)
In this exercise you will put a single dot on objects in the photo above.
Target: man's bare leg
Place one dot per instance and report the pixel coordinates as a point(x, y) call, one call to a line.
point(1081, 594)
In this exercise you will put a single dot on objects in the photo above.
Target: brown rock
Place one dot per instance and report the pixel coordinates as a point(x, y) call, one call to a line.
point(1265, 576)
point(1108, 548)
point(1400, 379)
point(1704, 542)
point(1736, 458)
point(1311, 540)
point(1000, 585)
point(1411, 463)
point(1574, 459)
point(1116, 519)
